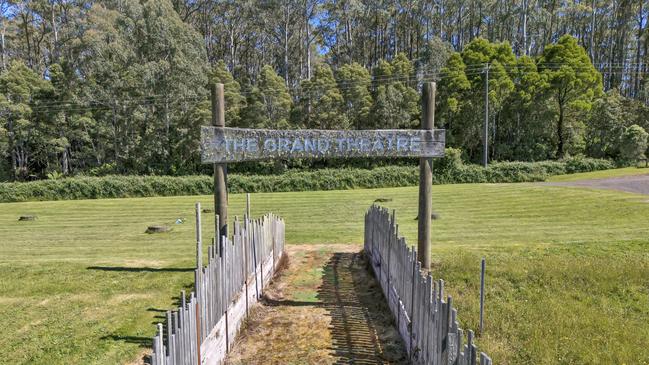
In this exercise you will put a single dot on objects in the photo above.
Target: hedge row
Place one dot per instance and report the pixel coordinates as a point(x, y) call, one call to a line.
point(447, 171)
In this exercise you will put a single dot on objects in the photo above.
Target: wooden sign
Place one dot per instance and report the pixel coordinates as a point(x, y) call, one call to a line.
point(223, 145)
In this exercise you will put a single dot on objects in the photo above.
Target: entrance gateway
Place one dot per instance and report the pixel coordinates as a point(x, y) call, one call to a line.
point(221, 145)
point(239, 268)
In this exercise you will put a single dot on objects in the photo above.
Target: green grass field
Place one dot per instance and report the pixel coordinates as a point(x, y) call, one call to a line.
point(602, 174)
point(567, 268)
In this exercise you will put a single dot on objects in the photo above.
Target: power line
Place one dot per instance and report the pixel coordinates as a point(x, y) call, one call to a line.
point(95, 104)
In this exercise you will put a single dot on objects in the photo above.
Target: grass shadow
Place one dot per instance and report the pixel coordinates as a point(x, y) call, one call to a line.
point(145, 342)
point(140, 269)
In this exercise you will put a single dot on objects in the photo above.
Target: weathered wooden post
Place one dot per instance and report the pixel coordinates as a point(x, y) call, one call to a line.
point(426, 178)
point(248, 205)
point(199, 238)
point(220, 169)
point(199, 279)
point(483, 266)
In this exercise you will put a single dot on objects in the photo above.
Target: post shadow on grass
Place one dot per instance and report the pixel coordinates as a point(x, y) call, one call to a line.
point(145, 342)
point(161, 314)
point(140, 269)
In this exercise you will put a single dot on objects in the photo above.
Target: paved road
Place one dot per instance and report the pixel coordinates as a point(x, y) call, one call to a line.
point(633, 184)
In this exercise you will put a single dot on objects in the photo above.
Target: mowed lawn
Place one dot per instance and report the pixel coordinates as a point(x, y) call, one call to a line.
point(567, 268)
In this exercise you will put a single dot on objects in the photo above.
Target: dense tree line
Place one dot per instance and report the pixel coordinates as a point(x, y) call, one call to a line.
point(120, 86)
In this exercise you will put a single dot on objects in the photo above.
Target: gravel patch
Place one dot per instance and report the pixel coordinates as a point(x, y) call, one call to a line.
point(638, 184)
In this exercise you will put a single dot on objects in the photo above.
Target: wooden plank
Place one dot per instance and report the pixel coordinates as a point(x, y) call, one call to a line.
point(483, 265)
point(213, 349)
point(223, 145)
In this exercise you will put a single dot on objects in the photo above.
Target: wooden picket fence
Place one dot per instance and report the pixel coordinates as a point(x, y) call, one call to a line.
point(203, 328)
point(426, 321)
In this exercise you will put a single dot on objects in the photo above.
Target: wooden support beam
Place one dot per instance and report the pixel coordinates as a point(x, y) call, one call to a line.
point(426, 178)
point(220, 169)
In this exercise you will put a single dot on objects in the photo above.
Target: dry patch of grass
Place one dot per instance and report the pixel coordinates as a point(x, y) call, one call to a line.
point(325, 308)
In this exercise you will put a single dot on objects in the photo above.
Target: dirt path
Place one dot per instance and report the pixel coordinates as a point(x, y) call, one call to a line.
point(325, 308)
point(634, 184)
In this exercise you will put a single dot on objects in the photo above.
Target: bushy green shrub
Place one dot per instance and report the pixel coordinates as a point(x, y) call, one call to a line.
point(103, 170)
point(447, 170)
point(585, 164)
point(452, 159)
point(633, 145)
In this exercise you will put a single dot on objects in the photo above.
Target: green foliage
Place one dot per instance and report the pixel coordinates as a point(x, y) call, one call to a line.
point(396, 103)
point(452, 160)
point(633, 145)
point(436, 54)
point(448, 170)
point(453, 85)
point(151, 69)
point(605, 126)
point(355, 82)
point(103, 170)
point(462, 91)
point(231, 91)
point(573, 83)
point(253, 114)
point(325, 102)
point(579, 164)
point(150, 73)
point(273, 98)
point(522, 132)
point(26, 137)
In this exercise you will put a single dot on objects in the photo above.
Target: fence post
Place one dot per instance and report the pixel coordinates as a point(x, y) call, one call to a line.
point(199, 242)
point(199, 279)
point(415, 266)
point(248, 204)
point(483, 265)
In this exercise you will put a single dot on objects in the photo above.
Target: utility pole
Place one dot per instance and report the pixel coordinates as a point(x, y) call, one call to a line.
point(426, 179)
point(485, 133)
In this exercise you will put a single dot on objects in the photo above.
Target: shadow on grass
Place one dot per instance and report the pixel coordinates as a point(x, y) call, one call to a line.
point(138, 340)
point(140, 269)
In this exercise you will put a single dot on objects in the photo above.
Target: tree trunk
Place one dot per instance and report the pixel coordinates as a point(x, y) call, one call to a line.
point(56, 35)
point(115, 138)
point(65, 161)
point(30, 62)
point(21, 161)
point(232, 48)
point(307, 43)
point(286, 51)
point(12, 148)
point(3, 51)
point(592, 31)
point(636, 81)
point(525, 27)
point(560, 151)
point(167, 153)
point(440, 9)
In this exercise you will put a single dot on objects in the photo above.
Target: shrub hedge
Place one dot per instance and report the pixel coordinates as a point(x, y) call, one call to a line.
point(447, 171)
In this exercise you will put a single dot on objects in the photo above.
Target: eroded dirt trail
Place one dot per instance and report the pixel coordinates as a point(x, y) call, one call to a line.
point(325, 308)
